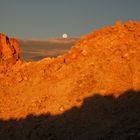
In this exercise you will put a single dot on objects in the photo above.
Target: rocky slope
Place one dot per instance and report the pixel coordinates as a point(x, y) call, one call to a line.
point(106, 63)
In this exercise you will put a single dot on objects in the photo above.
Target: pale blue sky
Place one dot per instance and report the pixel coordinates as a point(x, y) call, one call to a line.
point(42, 19)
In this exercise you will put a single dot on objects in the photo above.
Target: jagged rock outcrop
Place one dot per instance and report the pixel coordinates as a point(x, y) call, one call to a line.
point(9, 49)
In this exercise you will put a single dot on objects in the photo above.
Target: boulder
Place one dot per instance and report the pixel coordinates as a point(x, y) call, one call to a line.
point(9, 49)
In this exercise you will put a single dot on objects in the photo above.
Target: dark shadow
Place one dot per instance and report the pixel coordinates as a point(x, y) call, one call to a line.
point(99, 118)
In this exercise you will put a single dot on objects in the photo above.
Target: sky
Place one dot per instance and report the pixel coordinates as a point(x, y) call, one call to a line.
point(43, 19)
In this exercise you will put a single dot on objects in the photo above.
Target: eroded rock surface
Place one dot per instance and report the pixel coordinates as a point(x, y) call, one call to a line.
point(9, 49)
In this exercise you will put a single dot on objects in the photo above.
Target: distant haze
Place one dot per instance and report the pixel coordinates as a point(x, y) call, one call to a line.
point(32, 50)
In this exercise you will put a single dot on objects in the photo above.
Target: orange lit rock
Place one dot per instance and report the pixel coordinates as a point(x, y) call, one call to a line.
point(106, 61)
point(84, 89)
point(9, 49)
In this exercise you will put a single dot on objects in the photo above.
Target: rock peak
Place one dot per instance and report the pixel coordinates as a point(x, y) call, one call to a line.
point(9, 49)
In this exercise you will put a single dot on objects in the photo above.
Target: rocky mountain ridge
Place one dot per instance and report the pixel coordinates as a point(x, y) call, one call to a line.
point(90, 92)
point(106, 63)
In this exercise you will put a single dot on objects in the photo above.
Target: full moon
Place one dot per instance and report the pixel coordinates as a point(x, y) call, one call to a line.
point(65, 36)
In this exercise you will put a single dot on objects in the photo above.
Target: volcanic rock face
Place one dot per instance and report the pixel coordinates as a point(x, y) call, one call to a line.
point(9, 49)
point(105, 62)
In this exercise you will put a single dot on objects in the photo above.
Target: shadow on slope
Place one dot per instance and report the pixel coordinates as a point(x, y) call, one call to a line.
point(99, 118)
